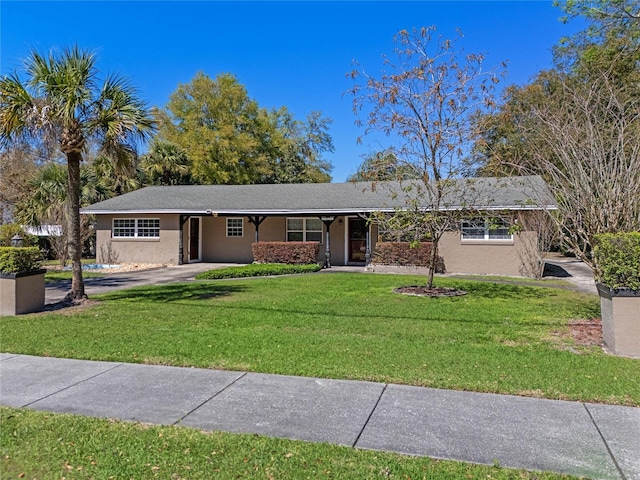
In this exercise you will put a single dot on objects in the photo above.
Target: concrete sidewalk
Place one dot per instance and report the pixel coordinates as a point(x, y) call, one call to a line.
point(597, 441)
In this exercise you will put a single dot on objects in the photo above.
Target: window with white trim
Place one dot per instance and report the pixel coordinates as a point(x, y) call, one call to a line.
point(485, 229)
point(304, 230)
point(235, 227)
point(136, 228)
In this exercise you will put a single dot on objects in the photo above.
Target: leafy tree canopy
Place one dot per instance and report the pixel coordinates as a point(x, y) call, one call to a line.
point(383, 166)
point(230, 139)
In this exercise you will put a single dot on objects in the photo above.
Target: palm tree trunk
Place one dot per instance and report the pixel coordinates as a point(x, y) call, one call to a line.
point(73, 225)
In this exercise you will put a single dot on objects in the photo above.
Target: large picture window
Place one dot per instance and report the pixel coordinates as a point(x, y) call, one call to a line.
point(304, 230)
point(136, 228)
point(485, 229)
point(235, 227)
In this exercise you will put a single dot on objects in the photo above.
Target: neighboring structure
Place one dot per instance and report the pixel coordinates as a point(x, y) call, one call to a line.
point(218, 223)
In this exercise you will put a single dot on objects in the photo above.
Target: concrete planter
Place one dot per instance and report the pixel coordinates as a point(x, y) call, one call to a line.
point(21, 292)
point(620, 310)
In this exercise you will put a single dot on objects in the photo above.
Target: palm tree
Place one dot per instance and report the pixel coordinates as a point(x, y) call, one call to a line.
point(166, 164)
point(47, 202)
point(63, 100)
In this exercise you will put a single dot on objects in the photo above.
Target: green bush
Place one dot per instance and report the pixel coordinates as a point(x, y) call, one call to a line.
point(9, 230)
point(404, 254)
point(299, 253)
point(19, 260)
point(617, 260)
point(257, 270)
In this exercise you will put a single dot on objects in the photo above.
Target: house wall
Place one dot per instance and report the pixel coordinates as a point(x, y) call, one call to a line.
point(218, 248)
point(499, 257)
point(475, 256)
point(138, 250)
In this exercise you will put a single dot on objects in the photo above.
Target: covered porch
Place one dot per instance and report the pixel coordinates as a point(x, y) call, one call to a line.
point(346, 239)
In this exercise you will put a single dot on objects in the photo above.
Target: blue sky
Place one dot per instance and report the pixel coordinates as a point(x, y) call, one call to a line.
point(288, 53)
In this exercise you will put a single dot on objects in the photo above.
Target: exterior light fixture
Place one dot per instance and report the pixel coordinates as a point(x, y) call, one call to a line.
point(17, 240)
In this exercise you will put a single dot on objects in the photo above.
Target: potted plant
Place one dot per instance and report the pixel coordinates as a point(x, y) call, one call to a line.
point(21, 280)
point(617, 262)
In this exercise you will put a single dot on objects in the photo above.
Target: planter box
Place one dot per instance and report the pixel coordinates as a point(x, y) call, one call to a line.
point(21, 292)
point(620, 310)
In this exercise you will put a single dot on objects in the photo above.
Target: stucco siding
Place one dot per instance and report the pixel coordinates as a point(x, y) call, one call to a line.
point(477, 257)
point(500, 257)
point(138, 250)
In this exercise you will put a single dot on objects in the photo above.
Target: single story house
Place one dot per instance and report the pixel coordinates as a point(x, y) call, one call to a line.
point(219, 223)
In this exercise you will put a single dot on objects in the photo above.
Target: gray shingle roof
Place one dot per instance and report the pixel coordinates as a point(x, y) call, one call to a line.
point(513, 193)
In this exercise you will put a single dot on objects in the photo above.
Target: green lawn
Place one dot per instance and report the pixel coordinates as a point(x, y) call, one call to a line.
point(498, 338)
point(53, 276)
point(52, 446)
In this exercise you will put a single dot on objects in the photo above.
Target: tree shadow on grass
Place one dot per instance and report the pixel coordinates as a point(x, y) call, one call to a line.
point(174, 292)
point(504, 291)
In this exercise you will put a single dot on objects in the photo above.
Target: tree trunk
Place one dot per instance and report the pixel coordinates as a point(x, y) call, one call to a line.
point(434, 262)
point(73, 225)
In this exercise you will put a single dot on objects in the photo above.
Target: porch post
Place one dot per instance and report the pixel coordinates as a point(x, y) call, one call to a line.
point(367, 254)
point(257, 220)
point(327, 252)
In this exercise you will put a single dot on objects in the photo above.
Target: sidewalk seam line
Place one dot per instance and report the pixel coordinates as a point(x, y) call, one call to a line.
point(209, 399)
point(384, 389)
point(613, 458)
point(73, 385)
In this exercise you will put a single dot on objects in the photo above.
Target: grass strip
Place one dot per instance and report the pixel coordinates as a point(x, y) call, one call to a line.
point(44, 445)
point(53, 276)
point(257, 270)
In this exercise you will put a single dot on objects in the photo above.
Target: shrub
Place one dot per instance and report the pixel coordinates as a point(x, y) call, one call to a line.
point(404, 254)
point(292, 253)
point(617, 260)
point(9, 230)
point(257, 270)
point(19, 260)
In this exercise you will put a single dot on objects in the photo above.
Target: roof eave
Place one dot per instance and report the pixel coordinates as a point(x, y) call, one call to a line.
point(325, 211)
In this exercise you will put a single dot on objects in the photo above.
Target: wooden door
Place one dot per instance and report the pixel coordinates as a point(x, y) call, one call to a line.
point(194, 239)
point(357, 243)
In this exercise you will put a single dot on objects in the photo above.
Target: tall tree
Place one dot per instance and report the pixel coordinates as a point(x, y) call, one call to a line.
point(62, 98)
point(47, 202)
point(216, 122)
point(230, 139)
point(166, 164)
point(17, 166)
point(293, 148)
point(382, 166)
point(426, 97)
point(578, 126)
point(120, 174)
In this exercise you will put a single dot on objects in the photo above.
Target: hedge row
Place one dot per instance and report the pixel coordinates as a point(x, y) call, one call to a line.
point(293, 253)
point(617, 260)
point(404, 254)
point(257, 270)
point(20, 260)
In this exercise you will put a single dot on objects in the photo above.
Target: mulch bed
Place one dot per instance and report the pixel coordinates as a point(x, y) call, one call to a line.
point(587, 332)
point(423, 291)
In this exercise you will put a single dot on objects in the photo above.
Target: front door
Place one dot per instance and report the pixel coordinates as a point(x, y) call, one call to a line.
point(357, 242)
point(194, 239)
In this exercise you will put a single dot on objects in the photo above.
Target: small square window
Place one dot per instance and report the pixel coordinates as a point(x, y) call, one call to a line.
point(235, 227)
